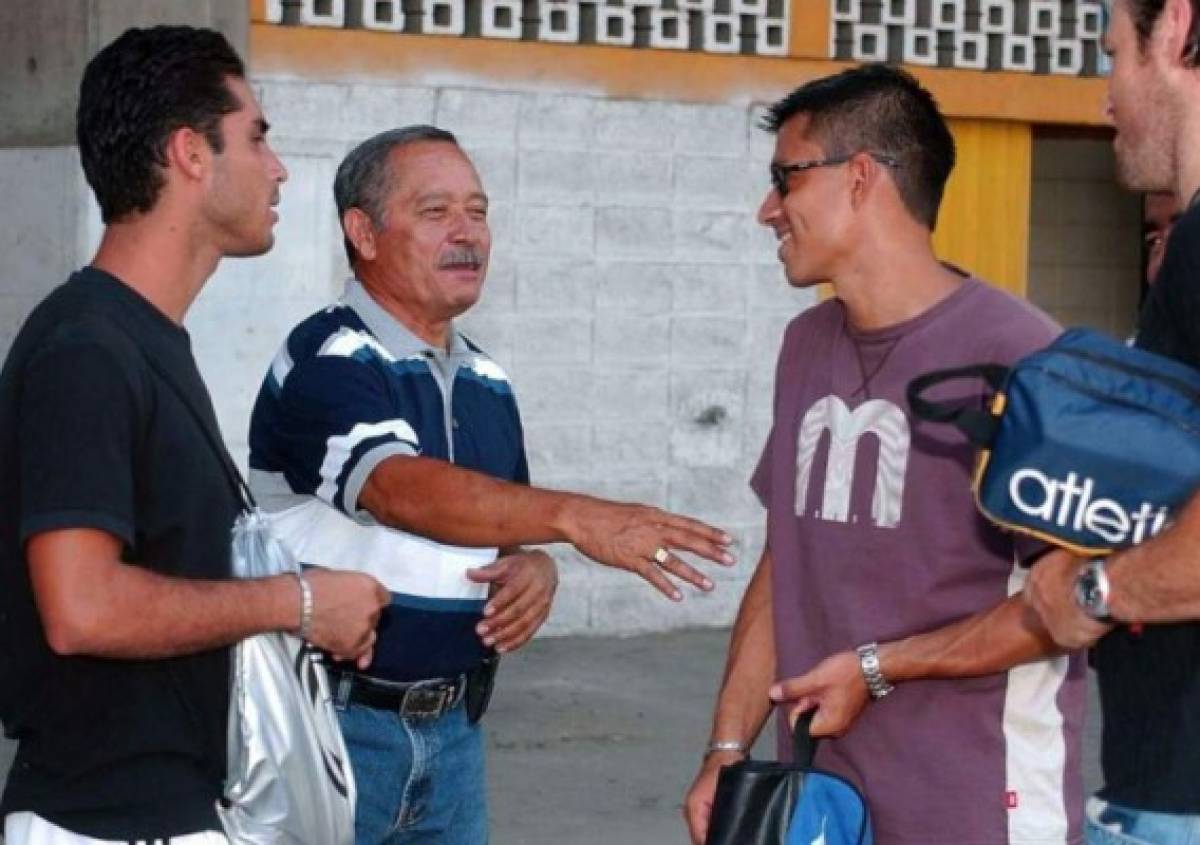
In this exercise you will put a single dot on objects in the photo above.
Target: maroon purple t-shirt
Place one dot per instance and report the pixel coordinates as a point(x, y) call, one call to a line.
point(874, 536)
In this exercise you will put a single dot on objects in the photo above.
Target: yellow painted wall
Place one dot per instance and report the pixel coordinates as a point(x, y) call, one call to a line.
point(984, 222)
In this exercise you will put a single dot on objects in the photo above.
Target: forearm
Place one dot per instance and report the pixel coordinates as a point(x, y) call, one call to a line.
point(742, 704)
point(1159, 580)
point(91, 603)
point(992, 641)
point(439, 500)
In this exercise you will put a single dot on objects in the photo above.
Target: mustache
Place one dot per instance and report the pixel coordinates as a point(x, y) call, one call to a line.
point(461, 255)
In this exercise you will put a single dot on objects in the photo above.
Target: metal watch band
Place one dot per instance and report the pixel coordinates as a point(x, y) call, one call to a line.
point(1093, 591)
point(868, 661)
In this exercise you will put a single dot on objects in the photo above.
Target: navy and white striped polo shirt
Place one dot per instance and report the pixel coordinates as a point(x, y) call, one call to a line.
point(351, 387)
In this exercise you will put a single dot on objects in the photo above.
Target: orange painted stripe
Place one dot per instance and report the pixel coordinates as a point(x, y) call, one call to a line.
point(641, 74)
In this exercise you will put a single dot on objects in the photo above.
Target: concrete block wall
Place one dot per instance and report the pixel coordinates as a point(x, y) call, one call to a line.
point(632, 298)
point(1085, 235)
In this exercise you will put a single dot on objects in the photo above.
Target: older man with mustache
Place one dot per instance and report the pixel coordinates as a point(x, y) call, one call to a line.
point(385, 440)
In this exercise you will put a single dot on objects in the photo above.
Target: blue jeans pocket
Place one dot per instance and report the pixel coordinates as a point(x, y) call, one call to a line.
point(1113, 824)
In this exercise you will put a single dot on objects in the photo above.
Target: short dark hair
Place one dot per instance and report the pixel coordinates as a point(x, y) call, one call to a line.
point(1145, 15)
point(365, 176)
point(135, 93)
point(880, 109)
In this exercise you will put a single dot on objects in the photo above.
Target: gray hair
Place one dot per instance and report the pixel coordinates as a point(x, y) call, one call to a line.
point(364, 177)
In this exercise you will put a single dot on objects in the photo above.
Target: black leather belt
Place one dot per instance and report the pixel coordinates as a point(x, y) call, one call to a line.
point(414, 700)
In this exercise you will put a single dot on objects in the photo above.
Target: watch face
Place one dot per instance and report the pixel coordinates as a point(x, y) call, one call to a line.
point(1087, 588)
point(1089, 592)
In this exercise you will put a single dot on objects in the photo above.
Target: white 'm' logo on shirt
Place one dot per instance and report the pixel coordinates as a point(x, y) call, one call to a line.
point(846, 427)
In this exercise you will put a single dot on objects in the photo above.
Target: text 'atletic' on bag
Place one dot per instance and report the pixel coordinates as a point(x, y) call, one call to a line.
point(1090, 444)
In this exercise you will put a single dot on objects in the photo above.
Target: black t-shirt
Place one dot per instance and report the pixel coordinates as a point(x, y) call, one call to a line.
point(1150, 678)
point(93, 436)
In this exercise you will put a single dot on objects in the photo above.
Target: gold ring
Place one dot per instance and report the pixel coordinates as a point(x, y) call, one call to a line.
point(661, 555)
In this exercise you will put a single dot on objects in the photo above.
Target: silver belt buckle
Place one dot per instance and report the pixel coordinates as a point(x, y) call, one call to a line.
point(426, 702)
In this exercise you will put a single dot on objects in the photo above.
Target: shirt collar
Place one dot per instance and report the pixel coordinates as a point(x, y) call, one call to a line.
point(394, 335)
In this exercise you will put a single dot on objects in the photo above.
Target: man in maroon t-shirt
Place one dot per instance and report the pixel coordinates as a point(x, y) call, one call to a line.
point(880, 583)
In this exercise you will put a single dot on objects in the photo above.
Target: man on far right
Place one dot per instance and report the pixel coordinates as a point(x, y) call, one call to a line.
point(1141, 608)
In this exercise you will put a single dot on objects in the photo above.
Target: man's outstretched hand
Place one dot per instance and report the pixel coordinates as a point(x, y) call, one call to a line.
point(645, 540)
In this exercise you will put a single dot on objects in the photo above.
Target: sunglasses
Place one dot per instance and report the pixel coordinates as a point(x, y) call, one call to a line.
point(781, 172)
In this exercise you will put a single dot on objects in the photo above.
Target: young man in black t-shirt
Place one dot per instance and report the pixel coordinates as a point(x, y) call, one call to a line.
point(116, 604)
point(1149, 673)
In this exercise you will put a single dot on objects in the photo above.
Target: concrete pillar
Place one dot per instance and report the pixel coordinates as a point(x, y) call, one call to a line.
point(51, 226)
point(44, 46)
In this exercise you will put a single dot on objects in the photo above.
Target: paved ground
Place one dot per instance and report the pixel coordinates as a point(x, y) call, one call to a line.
point(593, 741)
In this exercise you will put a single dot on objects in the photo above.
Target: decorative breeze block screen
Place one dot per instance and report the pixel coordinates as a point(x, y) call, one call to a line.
point(757, 27)
point(1032, 36)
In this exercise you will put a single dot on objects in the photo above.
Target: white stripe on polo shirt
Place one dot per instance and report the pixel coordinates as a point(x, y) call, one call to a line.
point(346, 341)
point(339, 448)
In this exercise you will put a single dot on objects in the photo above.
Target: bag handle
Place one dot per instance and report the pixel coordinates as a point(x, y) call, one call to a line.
point(804, 744)
point(240, 488)
point(979, 426)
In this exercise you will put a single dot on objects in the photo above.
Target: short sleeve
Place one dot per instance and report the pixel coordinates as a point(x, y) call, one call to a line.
point(520, 474)
point(337, 420)
point(1026, 331)
point(760, 480)
point(78, 418)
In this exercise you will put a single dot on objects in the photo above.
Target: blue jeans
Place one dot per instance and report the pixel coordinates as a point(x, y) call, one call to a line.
point(1112, 824)
point(419, 780)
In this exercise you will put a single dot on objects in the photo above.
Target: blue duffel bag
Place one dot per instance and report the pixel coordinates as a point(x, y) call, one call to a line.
point(1090, 444)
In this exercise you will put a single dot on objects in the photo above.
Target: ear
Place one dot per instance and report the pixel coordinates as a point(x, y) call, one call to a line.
point(188, 152)
point(360, 231)
point(1177, 22)
point(863, 173)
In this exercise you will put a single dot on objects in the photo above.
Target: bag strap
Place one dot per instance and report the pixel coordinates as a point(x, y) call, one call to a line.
point(240, 488)
point(804, 744)
point(979, 426)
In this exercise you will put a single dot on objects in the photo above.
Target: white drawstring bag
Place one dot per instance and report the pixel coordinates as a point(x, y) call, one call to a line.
point(289, 779)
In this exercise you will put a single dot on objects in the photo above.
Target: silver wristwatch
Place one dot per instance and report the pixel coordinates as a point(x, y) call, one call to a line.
point(1092, 590)
point(868, 660)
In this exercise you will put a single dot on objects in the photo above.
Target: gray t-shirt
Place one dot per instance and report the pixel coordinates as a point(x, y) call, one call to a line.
point(875, 537)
